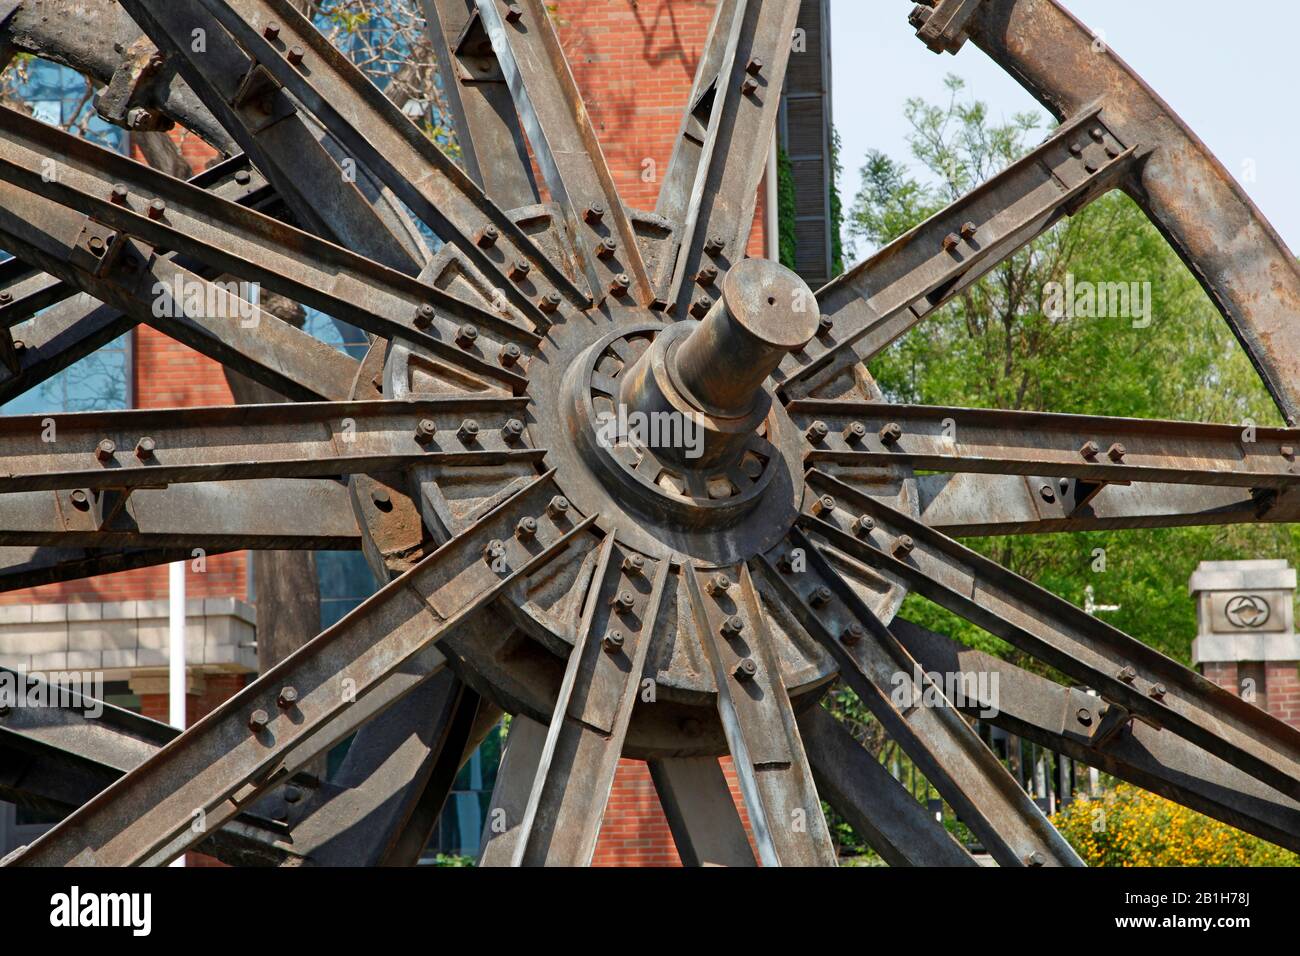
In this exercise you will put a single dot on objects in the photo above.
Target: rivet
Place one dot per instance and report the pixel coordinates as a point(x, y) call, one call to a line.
point(292, 794)
point(1048, 493)
point(468, 431)
point(243, 177)
point(817, 432)
point(145, 448)
point(288, 697)
point(746, 669)
point(6, 297)
point(891, 433)
point(105, 450)
point(80, 500)
point(1076, 149)
point(96, 246)
point(1035, 859)
point(1097, 133)
point(1288, 452)
point(425, 431)
point(1085, 716)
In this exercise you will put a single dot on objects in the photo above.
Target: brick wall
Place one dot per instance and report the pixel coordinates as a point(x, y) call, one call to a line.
point(1277, 685)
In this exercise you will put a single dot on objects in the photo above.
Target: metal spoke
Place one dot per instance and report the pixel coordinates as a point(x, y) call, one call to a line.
point(1230, 247)
point(877, 806)
point(488, 133)
point(784, 810)
point(880, 299)
point(168, 213)
point(701, 813)
point(744, 102)
point(1072, 722)
point(915, 712)
point(1126, 672)
point(382, 139)
point(152, 447)
point(584, 740)
point(29, 567)
point(966, 505)
point(260, 736)
point(566, 146)
point(1091, 450)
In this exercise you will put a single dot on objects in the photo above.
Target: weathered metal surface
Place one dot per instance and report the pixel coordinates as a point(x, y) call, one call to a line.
point(503, 355)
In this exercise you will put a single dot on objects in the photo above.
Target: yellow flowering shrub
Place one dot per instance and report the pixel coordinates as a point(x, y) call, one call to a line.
point(1131, 827)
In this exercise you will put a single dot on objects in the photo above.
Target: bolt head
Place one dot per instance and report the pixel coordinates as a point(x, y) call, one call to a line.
point(468, 431)
point(595, 213)
point(1116, 453)
point(855, 432)
point(733, 626)
point(1157, 692)
point(891, 433)
point(1288, 452)
point(1036, 859)
point(157, 208)
point(145, 447)
point(425, 430)
point(271, 30)
point(1090, 450)
point(864, 525)
point(613, 641)
point(510, 355)
point(714, 245)
point(951, 242)
point(514, 13)
point(622, 282)
point(754, 67)
point(852, 634)
point(119, 194)
point(707, 276)
point(746, 669)
point(969, 230)
point(718, 584)
point(701, 307)
point(258, 720)
point(606, 248)
point(904, 546)
point(558, 506)
point(1127, 674)
point(549, 304)
point(466, 336)
point(634, 565)
point(105, 450)
point(296, 55)
point(6, 297)
point(823, 506)
point(821, 596)
point(817, 431)
point(526, 529)
point(1085, 716)
point(288, 697)
point(512, 431)
point(488, 237)
point(519, 270)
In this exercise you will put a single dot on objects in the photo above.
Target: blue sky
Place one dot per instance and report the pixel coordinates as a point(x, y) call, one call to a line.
point(1227, 71)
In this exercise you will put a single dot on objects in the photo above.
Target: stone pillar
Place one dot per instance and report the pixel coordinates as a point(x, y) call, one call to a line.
point(1246, 639)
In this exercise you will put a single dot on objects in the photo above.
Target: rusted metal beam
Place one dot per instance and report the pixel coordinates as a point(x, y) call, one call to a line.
point(743, 111)
point(1066, 720)
point(1124, 671)
point(1089, 449)
point(296, 710)
point(566, 147)
point(153, 447)
point(584, 740)
point(1229, 245)
point(914, 711)
point(785, 812)
point(878, 807)
point(881, 298)
point(701, 812)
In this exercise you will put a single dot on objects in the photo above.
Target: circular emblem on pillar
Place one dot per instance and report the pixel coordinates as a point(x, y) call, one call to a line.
point(1248, 611)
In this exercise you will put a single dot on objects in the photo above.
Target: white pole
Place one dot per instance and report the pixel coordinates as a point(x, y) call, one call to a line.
point(176, 656)
point(772, 210)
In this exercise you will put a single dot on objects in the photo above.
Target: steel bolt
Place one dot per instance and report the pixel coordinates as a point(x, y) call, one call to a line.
point(594, 214)
point(1127, 674)
point(733, 626)
point(821, 596)
point(156, 209)
point(606, 248)
point(825, 325)
point(549, 303)
point(852, 634)
point(96, 246)
point(526, 529)
point(817, 432)
point(864, 525)
point(1035, 859)
point(622, 282)
point(714, 245)
point(1116, 453)
point(514, 13)
point(425, 431)
point(718, 584)
point(891, 433)
point(1157, 692)
point(145, 448)
point(243, 177)
point(904, 546)
point(969, 230)
point(80, 500)
point(258, 720)
point(119, 194)
point(424, 316)
point(510, 355)
point(558, 506)
point(512, 431)
point(1048, 493)
point(624, 601)
point(105, 450)
point(288, 697)
point(1090, 450)
point(468, 431)
point(519, 270)
point(919, 15)
point(1076, 150)
point(951, 242)
point(1085, 716)
point(854, 432)
point(746, 669)
point(488, 237)
point(6, 297)
point(823, 506)
point(613, 641)
point(466, 336)
point(701, 306)
point(754, 67)
point(633, 565)
point(295, 56)
point(1097, 133)
point(748, 87)
point(707, 276)
point(271, 31)
point(787, 560)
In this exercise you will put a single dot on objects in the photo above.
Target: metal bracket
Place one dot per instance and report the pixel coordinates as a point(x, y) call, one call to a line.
point(131, 85)
point(941, 25)
point(476, 61)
